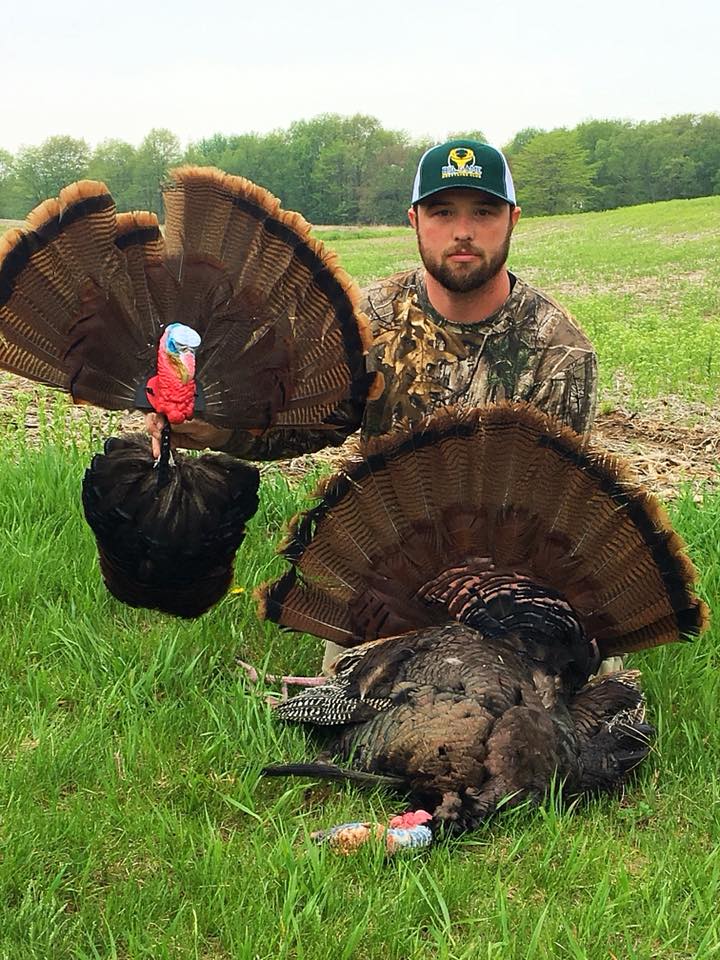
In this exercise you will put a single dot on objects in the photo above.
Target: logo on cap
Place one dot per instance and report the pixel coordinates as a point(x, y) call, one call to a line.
point(461, 163)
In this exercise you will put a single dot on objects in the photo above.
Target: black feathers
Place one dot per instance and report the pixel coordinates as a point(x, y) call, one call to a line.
point(171, 548)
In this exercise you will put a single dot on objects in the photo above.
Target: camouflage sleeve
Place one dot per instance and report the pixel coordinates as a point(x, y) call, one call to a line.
point(570, 392)
point(367, 306)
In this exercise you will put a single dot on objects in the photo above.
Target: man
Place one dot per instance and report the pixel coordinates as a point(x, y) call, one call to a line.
point(460, 329)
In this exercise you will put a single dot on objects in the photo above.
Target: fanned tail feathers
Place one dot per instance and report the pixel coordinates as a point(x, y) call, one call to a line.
point(492, 495)
point(67, 307)
point(85, 294)
point(278, 307)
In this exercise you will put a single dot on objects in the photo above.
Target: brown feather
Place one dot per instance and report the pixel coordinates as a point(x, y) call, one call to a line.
point(67, 304)
point(502, 486)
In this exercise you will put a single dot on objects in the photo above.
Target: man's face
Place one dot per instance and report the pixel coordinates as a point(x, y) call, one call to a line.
point(463, 236)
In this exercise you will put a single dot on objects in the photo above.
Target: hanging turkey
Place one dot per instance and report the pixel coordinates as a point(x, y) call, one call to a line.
point(478, 568)
point(235, 314)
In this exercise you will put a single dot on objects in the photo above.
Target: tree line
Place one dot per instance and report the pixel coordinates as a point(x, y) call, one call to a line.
point(348, 169)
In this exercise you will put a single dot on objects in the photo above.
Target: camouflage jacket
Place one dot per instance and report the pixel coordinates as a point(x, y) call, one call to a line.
point(530, 349)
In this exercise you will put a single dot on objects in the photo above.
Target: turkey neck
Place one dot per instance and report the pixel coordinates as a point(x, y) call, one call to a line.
point(165, 458)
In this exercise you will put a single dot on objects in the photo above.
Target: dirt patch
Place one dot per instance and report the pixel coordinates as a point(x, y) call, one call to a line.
point(669, 441)
point(664, 453)
point(25, 405)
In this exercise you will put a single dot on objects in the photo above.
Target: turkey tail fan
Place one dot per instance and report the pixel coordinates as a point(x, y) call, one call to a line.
point(68, 308)
point(170, 548)
point(464, 510)
point(85, 294)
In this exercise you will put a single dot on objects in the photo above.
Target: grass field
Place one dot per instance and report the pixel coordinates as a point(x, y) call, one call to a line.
point(133, 822)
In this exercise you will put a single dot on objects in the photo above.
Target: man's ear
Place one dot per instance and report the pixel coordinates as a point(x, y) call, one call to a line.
point(515, 216)
point(412, 217)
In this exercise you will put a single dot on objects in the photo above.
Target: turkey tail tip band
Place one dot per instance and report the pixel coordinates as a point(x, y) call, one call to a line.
point(136, 233)
point(30, 241)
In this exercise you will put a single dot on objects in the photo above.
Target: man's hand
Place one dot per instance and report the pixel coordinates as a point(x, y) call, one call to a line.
point(193, 434)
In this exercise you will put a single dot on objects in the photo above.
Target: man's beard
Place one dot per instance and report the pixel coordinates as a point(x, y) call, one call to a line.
point(465, 281)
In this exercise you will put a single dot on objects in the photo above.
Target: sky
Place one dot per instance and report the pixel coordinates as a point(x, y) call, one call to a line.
point(99, 70)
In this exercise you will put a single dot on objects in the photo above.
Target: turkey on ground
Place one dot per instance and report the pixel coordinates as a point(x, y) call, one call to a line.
point(232, 312)
point(478, 567)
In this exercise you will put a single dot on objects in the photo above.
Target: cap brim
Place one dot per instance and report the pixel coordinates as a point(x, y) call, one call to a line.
point(464, 186)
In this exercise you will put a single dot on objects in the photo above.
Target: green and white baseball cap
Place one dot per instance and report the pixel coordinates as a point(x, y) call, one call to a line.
point(463, 163)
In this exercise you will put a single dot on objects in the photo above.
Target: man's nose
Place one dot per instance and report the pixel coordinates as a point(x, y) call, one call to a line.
point(464, 228)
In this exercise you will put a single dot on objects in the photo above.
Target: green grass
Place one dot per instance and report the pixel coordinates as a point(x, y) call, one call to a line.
point(133, 822)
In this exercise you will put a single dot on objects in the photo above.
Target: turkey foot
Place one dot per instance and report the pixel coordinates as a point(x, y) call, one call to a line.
point(273, 699)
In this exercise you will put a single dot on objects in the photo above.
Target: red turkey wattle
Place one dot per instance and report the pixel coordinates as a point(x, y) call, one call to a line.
point(172, 390)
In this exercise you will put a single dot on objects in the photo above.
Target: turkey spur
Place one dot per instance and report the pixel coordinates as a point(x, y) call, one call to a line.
point(477, 568)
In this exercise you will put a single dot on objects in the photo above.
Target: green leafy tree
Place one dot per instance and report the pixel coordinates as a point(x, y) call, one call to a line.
point(385, 192)
point(640, 163)
point(595, 137)
point(158, 152)
point(115, 163)
point(262, 159)
point(683, 150)
point(705, 147)
point(43, 171)
point(349, 169)
point(328, 160)
point(553, 175)
point(207, 152)
point(11, 205)
point(621, 170)
point(591, 132)
point(520, 141)
point(332, 168)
